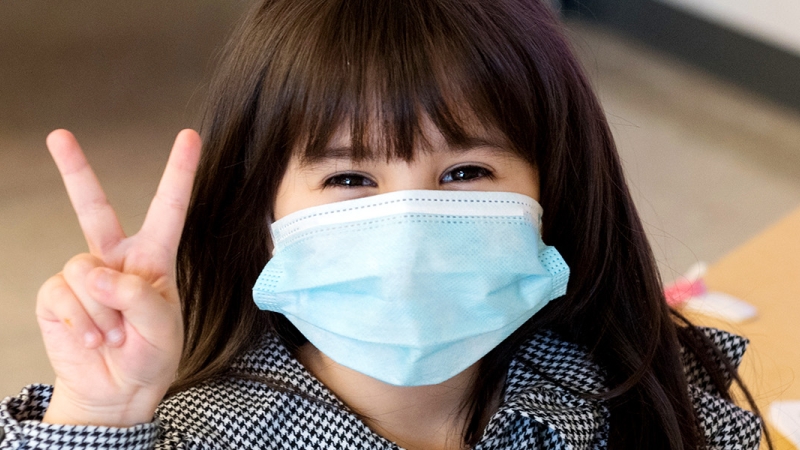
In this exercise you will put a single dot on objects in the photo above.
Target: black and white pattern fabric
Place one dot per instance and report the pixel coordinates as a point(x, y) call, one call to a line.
point(542, 408)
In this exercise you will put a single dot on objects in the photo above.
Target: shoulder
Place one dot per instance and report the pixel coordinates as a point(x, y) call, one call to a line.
point(728, 345)
point(725, 424)
point(557, 384)
point(548, 396)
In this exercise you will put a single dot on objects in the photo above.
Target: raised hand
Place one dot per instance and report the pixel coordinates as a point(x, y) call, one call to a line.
point(111, 319)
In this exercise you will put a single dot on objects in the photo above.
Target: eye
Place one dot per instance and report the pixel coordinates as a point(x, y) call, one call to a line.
point(467, 173)
point(349, 180)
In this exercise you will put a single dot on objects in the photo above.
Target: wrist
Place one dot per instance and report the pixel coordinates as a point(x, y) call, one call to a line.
point(63, 410)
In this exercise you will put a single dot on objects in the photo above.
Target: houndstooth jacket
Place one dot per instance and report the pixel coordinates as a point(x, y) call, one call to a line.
point(540, 410)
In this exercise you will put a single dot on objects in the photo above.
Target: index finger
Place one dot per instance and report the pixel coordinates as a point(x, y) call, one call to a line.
point(95, 215)
point(164, 221)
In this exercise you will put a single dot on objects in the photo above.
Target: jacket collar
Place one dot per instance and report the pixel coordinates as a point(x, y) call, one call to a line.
point(547, 382)
point(549, 379)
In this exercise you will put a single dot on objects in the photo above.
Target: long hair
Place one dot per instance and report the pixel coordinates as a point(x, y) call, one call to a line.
point(297, 70)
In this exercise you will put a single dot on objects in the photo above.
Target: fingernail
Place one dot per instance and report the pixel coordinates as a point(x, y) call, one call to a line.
point(114, 336)
point(90, 338)
point(103, 281)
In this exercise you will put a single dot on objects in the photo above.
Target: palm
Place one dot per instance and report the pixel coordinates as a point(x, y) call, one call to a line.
point(102, 371)
point(138, 370)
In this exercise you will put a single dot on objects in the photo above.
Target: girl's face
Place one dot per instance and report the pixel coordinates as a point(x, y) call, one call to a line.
point(487, 164)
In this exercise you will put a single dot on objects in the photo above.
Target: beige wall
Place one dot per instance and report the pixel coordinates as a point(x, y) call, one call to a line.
point(88, 61)
point(774, 21)
point(125, 77)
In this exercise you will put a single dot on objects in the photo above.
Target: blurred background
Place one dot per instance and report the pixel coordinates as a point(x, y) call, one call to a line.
point(702, 97)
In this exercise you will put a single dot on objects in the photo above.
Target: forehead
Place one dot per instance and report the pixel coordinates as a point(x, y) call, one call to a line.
point(376, 144)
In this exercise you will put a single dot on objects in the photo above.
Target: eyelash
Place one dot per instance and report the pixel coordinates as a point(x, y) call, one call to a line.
point(339, 179)
point(483, 172)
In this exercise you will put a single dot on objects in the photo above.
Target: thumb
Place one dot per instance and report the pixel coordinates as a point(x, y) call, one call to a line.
point(156, 318)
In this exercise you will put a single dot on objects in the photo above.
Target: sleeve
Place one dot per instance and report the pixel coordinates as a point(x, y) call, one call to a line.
point(21, 428)
point(725, 425)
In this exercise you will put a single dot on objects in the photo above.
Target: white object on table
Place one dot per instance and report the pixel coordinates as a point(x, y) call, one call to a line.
point(785, 417)
point(722, 306)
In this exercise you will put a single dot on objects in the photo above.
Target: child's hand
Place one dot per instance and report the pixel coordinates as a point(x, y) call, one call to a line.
point(111, 319)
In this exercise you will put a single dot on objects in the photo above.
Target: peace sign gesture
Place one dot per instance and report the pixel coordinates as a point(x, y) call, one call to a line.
point(111, 319)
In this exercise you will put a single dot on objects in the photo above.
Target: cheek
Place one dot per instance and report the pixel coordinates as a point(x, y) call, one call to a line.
point(290, 193)
point(534, 187)
point(524, 179)
point(293, 195)
point(281, 202)
point(298, 190)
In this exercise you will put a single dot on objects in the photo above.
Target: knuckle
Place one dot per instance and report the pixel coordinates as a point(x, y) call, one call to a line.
point(96, 205)
point(43, 299)
point(171, 201)
point(130, 288)
point(52, 288)
point(78, 264)
point(56, 301)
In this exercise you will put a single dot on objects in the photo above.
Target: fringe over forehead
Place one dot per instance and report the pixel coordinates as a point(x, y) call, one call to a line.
point(382, 67)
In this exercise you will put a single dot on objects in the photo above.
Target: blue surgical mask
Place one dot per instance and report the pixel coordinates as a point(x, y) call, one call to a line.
point(411, 287)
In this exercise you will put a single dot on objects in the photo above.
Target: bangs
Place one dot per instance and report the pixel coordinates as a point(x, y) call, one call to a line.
point(379, 69)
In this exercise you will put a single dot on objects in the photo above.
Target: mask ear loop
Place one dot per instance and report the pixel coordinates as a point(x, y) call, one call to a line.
point(271, 240)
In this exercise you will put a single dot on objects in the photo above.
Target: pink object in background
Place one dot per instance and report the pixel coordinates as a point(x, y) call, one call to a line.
point(682, 290)
point(690, 294)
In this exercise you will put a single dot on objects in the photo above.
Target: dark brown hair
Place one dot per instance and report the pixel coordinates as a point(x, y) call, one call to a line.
point(296, 70)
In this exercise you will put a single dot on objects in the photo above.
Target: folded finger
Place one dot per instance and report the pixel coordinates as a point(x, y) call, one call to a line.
point(56, 303)
point(95, 215)
point(107, 320)
point(155, 318)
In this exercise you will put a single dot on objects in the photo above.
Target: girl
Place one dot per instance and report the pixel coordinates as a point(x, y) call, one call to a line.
point(409, 228)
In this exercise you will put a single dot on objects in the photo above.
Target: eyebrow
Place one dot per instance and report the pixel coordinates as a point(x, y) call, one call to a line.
point(346, 152)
